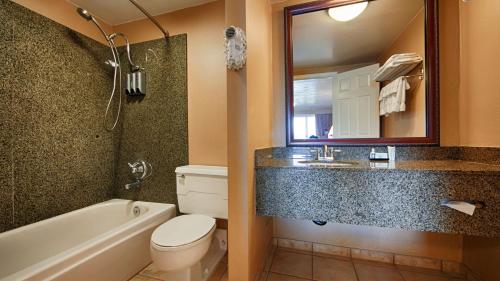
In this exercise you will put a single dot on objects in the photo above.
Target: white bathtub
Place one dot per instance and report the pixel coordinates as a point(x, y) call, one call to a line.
point(106, 241)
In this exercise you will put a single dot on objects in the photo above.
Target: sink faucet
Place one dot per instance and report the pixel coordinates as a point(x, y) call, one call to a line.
point(325, 153)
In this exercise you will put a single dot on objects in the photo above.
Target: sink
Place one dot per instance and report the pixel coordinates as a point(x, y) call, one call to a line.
point(328, 163)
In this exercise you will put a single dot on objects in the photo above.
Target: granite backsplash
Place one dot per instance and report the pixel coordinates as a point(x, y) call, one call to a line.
point(489, 155)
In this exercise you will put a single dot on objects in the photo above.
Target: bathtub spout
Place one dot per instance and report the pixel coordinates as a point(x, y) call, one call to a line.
point(135, 184)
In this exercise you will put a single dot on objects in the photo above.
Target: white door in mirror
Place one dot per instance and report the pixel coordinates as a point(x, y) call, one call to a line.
point(355, 104)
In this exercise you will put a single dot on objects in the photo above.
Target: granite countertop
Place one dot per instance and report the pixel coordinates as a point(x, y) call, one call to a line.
point(406, 194)
point(458, 166)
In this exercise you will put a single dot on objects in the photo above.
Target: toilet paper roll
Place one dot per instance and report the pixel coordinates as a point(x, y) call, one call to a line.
point(461, 206)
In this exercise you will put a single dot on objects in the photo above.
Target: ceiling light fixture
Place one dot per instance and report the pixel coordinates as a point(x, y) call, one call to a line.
point(347, 12)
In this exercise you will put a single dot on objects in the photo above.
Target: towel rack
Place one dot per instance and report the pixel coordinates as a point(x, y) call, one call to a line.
point(420, 75)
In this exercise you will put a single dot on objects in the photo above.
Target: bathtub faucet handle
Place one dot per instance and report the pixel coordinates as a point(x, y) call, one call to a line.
point(136, 167)
point(140, 170)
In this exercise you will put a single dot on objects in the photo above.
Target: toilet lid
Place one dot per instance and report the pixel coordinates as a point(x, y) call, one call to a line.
point(182, 230)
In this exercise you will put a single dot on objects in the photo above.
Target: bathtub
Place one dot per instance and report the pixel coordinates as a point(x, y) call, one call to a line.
point(106, 241)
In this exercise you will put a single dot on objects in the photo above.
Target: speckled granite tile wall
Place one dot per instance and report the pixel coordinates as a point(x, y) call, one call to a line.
point(5, 132)
point(55, 154)
point(155, 128)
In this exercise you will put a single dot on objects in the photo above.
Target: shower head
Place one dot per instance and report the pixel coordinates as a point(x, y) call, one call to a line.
point(84, 13)
point(87, 16)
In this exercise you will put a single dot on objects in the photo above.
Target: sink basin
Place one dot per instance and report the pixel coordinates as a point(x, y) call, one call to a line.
point(328, 163)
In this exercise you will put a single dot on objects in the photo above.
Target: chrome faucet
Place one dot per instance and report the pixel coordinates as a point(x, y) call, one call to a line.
point(326, 154)
point(325, 151)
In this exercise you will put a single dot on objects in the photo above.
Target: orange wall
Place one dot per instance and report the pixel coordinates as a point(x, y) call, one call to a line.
point(238, 225)
point(410, 123)
point(249, 127)
point(259, 86)
point(204, 26)
point(65, 13)
point(479, 108)
point(479, 103)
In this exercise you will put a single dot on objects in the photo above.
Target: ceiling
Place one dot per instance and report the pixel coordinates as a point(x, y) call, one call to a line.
point(312, 95)
point(115, 12)
point(318, 40)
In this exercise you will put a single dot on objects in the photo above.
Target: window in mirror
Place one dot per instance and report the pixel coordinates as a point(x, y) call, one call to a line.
point(359, 75)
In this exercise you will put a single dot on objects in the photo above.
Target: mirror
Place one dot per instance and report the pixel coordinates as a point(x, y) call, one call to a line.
point(362, 72)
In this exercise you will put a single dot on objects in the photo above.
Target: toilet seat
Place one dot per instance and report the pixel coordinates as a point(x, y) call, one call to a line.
point(182, 231)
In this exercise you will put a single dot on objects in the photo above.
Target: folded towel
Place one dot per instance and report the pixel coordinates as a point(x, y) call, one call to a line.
point(397, 65)
point(392, 98)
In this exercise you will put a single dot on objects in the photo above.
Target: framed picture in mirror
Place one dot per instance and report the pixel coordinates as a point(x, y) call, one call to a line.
point(362, 73)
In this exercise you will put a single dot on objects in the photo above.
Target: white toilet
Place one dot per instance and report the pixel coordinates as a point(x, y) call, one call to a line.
point(184, 247)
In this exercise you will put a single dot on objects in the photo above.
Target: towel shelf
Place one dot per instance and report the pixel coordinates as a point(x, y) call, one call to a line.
point(396, 66)
point(393, 72)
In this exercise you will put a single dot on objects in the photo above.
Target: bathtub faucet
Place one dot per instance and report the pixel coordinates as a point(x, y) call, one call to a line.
point(140, 170)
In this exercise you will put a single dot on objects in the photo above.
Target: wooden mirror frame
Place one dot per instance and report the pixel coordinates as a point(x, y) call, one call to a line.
point(431, 79)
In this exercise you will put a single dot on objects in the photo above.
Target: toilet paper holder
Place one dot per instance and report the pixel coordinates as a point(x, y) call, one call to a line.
point(477, 203)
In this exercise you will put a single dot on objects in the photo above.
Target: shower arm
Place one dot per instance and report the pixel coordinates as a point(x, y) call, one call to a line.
point(165, 33)
point(133, 67)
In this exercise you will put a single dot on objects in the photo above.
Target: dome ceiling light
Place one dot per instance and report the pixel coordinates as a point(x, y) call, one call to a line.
point(347, 12)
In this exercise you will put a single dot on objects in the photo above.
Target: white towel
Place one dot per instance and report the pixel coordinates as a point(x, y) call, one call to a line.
point(397, 65)
point(392, 97)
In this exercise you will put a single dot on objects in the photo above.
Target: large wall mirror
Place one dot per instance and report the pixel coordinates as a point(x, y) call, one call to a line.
point(362, 72)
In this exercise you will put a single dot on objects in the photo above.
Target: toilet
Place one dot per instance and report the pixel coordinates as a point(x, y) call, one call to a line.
point(188, 247)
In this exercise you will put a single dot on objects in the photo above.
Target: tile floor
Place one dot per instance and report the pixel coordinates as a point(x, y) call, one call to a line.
point(298, 266)
point(288, 265)
point(151, 273)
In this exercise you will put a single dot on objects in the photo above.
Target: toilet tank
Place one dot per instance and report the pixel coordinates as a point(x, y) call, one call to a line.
point(202, 190)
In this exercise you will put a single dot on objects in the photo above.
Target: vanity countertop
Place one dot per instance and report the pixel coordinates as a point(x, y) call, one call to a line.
point(407, 195)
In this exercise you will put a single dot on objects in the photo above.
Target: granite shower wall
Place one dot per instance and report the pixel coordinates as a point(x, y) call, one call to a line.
point(155, 128)
point(55, 155)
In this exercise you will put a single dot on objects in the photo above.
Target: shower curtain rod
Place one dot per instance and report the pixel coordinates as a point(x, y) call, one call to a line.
point(165, 33)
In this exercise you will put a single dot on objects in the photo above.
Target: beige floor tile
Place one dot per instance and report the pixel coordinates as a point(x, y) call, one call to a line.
point(224, 278)
point(280, 277)
point(294, 264)
point(331, 250)
point(143, 278)
point(421, 269)
point(418, 262)
point(218, 272)
point(263, 276)
point(329, 269)
point(372, 272)
point(453, 267)
point(422, 276)
point(295, 245)
point(153, 271)
point(375, 263)
point(269, 261)
point(372, 255)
